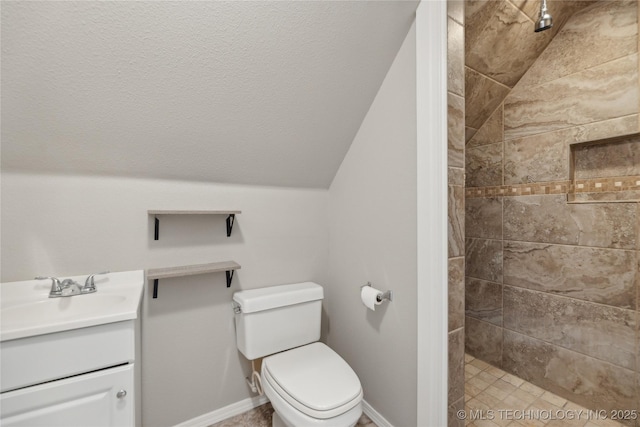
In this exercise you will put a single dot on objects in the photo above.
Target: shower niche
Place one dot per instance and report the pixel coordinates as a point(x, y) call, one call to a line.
point(605, 170)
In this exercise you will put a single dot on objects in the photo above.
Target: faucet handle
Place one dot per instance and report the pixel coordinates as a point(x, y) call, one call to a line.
point(56, 289)
point(89, 285)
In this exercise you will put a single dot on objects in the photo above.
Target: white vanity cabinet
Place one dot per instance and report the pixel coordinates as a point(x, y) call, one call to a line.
point(69, 362)
point(97, 399)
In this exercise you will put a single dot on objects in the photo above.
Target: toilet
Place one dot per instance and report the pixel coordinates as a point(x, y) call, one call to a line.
point(307, 382)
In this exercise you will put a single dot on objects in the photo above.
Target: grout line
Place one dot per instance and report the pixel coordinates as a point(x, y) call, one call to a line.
point(567, 245)
point(523, 12)
point(489, 78)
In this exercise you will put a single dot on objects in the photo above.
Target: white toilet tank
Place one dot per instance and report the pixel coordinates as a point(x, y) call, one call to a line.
point(277, 318)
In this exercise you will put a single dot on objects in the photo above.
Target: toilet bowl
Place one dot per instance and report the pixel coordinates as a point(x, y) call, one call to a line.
point(312, 386)
point(308, 384)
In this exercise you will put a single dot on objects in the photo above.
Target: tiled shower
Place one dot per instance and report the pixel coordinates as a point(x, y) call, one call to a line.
point(552, 221)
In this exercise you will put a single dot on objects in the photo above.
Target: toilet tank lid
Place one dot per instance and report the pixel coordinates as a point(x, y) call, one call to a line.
point(255, 300)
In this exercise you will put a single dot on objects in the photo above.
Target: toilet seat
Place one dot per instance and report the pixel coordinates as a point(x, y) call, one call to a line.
point(313, 379)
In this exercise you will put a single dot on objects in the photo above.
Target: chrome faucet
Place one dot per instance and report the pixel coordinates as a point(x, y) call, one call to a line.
point(69, 287)
point(56, 288)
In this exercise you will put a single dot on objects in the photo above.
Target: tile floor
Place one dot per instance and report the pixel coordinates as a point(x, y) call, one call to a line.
point(503, 400)
point(261, 417)
point(489, 393)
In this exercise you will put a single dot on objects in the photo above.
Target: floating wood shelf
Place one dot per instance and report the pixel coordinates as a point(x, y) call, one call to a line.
point(231, 218)
point(156, 274)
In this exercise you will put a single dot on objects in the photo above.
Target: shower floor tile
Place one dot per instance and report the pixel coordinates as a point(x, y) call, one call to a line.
point(495, 398)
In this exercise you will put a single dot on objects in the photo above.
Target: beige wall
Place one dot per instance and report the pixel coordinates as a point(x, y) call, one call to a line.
point(68, 225)
point(372, 238)
point(550, 286)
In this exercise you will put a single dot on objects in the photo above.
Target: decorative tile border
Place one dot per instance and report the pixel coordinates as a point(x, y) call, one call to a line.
point(592, 185)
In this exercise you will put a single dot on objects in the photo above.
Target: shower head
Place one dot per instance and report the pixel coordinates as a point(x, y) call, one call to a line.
point(545, 21)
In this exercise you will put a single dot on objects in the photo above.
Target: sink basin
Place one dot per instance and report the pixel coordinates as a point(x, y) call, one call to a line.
point(26, 309)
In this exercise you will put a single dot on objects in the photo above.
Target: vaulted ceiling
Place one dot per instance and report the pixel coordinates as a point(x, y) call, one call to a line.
point(239, 92)
point(500, 46)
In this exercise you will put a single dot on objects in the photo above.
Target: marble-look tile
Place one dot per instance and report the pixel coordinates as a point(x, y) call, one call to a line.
point(600, 331)
point(455, 176)
point(453, 420)
point(484, 259)
point(455, 118)
point(620, 158)
point(482, 97)
point(257, 417)
point(490, 132)
point(469, 132)
point(484, 165)
point(456, 365)
point(455, 10)
point(477, 13)
point(456, 293)
point(455, 56)
point(599, 93)
point(617, 196)
point(582, 379)
point(483, 341)
point(506, 46)
point(549, 219)
point(605, 276)
point(545, 157)
point(483, 217)
point(483, 300)
point(456, 221)
point(609, 28)
point(532, 8)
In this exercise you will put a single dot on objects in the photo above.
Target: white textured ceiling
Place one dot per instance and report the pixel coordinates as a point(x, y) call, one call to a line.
point(240, 92)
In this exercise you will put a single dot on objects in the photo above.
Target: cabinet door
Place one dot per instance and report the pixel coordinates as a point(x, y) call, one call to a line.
point(90, 400)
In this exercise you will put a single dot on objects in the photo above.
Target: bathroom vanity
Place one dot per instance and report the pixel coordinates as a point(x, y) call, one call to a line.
point(69, 361)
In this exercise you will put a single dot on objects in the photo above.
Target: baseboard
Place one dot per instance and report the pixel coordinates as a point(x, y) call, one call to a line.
point(228, 411)
point(374, 415)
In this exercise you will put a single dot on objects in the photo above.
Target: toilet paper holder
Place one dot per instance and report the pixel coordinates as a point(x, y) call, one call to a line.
point(388, 295)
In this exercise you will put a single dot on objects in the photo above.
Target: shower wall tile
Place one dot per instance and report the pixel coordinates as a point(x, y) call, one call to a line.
point(483, 217)
point(550, 219)
point(484, 165)
point(455, 176)
point(621, 158)
point(455, 118)
point(483, 300)
point(456, 221)
point(456, 293)
point(584, 380)
point(477, 14)
point(453, 419)
point(482, 96)
point(605, 276)
point(600, 331)
point(455, 10)
point(599, 93)
point(491, 131)
point(545, 157)
point(483, 340)
point(513, 45)
point(484, 259)
point(609, 28)
point(455, 56)
point(456, 365)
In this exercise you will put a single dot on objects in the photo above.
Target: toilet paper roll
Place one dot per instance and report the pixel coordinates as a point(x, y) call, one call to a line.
point(369, 296)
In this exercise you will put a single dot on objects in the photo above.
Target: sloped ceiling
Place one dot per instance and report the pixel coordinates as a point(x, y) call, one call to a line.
point(500, 46)
point(265, 93)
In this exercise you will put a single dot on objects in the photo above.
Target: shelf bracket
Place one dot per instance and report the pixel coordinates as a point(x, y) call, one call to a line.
point(156, 235)
point(231, 219)
point(229, 277)
point(155, 288)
